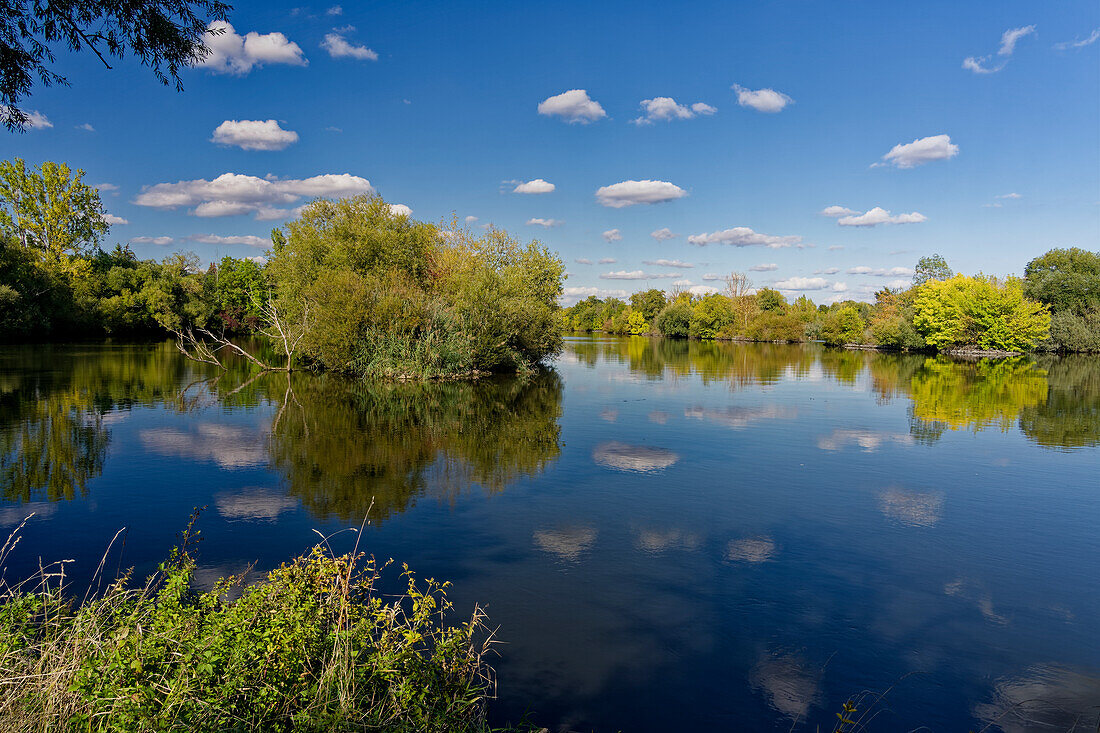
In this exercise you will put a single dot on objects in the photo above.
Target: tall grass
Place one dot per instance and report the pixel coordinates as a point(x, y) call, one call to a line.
point(312, 646)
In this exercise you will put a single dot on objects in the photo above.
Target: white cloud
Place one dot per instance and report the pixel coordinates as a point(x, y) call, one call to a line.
point(583, 261)
point(35, 119)
point(254, 135)
point(86, 127)
point(1010, 37)
point(880, 271)
point(152, 240)
point(1009, 196)
point(1079, 44)
point(637, 275)
point(335, 10)
point(711, 276)
point(471, 219)
point(536, 186)
point(879, 215)
point(338, 47)
point(574, 106)
point(231, 194)
point(112, 219)
point(664, 109)
point(762, 100)
point(827, 271)
point(572, 295)
point(106, 187)
point(836, 211)
point(744, 237)
point(249, 240)
point(702, 290)
point(921, 151)
point(668, 263)
point(607, 261)
point(231, 53)
point(662, 234)
point(612, 235)
point(545, 223)
point(802, 283)
point(401, 210)
point(839, 287)
point(629, 193)
point(978, 64)
point(835, 247)
point(766, 267)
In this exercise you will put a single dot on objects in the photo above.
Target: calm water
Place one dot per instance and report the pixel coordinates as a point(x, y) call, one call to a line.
point(670, 535)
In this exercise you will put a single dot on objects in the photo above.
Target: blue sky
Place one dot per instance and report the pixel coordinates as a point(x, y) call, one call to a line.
point(437, 106)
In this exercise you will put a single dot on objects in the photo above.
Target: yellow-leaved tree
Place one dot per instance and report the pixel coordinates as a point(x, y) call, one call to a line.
point(980, 312)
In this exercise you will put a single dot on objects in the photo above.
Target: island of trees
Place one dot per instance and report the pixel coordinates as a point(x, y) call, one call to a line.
point(1055, 306)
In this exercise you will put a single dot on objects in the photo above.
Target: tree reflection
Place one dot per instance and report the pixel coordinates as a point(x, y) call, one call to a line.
point(976, 395)
point(341, 446)
point(1070, 417)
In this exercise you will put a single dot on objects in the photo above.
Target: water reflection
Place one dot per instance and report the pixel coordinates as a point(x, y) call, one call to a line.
point(1045, 697)
point(633, 458)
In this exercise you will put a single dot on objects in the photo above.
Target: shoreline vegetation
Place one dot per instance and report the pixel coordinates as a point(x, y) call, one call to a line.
point(313, 645)
point(1054, 307)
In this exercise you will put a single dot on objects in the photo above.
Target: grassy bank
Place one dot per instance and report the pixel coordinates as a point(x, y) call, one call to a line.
point(312, 646)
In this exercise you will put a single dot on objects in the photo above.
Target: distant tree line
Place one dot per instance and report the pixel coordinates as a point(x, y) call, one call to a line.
point(350, 286)
point(1055, 306)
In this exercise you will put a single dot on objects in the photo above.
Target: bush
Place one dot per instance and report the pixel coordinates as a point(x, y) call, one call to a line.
point(843, 326)
point(675, 320)
point(312, 647)
point(710, 316)
point(972, 311)
point(776, 326)
point(1072, 332)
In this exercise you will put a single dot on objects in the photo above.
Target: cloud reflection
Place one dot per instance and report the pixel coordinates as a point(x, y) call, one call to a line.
point(786, 683)
point(913, 509)
point(227, 445)
point(739, 417)
point(751, 549)
point(868, 440)
point(257, 505)
point(633, 458)
point(568, 543)
point(1045, 697)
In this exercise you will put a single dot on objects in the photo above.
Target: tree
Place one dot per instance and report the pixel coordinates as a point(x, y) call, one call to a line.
point(711, 316)
point(166, 35)
point(982, 312)
point(843, 326)
point(769, 299)
point(933, 267)
point(50, 209)
point(675, 319)
point(648, 302)
point(1065, 279)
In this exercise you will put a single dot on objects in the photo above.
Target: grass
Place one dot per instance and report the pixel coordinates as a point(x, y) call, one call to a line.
point(312, 646)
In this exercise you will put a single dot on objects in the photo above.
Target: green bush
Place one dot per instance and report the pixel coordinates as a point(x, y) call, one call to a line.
point(675, 320)
point(313, 646)
point(843, 326)
point(1072, 332)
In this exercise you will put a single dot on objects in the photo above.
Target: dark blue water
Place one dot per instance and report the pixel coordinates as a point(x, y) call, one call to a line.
point(669, 535)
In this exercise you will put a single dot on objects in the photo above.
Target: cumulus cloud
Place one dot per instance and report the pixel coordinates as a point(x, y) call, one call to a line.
point(827, 271)
point(921, 151)
point(335, 10)
point(1079, 43)
point(702, 290)
point(471, 219)
point(249, 240)
point(231, 53)
point(879, 215)
point(762, 100)
point(711, 276)
point(151, 240)
point(744, 237)
point(802, 283)
point(637, 275)
point(545, 223)
point(402, 210)
point(662, 234)
point(766, 267)
point(664, 109)
point(668, 263)
point(573, 294)
point(232, 194)
point(612, 235)
point(629, 193)
point(573, 106)
point(86, 127)
point(112, 219)
point(880, 271)
point(35, 120)
point(254, 135)
point(338, 47)
point(979, 64)
point(583, 261)
point(536, 186)
point(835, 211)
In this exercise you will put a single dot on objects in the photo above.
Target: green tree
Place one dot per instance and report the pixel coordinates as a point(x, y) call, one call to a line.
point(166, 35)
point(1068, 280)
point(843, 326)
point(769, 299)
point(969, 311)
point(711, 315)
point(649, 303)
point(50, 210)
point(675, 320)
point(933, 267)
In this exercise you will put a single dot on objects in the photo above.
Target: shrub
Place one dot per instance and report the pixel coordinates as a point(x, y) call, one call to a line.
point(313, 646)
point(972, 311)
point(1072, 332)
point(675, 320)
point(710, 315)
point(842, 326)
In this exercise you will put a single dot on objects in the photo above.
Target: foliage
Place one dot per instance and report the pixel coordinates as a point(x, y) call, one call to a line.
point(933, 267)
point(973, 396)
point(49, 210)
point(1072, 332)
point(769, 299)
point(675, 320)
point(843, 326)
point(969, 311)
point(891, 323)
point(166, 35)
point(312, 646)
point(1067, 280)
point(649, 303)
point(711, 315)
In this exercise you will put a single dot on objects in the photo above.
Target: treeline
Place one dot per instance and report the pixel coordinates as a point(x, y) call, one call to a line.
point(350, 286)
point(1055, 306)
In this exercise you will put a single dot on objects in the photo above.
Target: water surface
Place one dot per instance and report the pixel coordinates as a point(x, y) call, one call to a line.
point(671, 535)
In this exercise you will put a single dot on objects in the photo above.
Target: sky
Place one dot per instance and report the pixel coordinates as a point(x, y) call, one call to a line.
point(822, 148)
